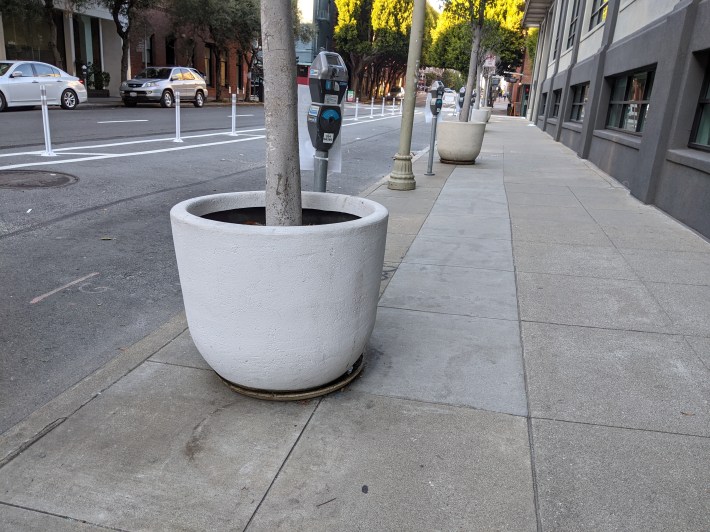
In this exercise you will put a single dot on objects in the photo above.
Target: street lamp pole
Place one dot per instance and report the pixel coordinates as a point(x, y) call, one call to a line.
point(402, 177)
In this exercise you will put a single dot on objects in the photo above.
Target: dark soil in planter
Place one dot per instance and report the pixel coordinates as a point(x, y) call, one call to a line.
point(257, 216)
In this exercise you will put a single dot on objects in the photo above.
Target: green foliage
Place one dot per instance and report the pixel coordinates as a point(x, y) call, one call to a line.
point(501, 34)
point(453, 79)
point(97, 78)
point(531, 42)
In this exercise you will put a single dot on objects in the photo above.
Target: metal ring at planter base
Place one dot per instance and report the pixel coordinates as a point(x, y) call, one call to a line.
point(300, 395)
point(447, 161)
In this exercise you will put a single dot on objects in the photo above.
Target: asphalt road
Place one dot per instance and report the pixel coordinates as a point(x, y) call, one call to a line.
point(88, 268)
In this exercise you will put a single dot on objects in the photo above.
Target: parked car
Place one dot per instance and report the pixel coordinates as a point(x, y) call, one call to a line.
point(396, 92)
point(449, 97)
point(21, 82)
point(159, 85)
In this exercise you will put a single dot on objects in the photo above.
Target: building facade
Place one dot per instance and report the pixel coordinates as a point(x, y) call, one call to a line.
point(82, 38)
point(626, 84)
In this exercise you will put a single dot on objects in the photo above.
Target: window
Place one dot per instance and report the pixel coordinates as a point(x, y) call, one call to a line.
point(543, 102)
point(46, 71)
point(573, 24)
point(700, 135)
point(25, 69)
point(556, 97)
point(599, 8)
point(629, 101)
point(580, 94)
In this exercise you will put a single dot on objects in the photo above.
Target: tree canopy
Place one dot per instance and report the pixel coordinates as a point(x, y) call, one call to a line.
point(373, 38)
point(502, 34)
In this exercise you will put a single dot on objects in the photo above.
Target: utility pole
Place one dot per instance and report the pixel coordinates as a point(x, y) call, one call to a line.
point(402, 177)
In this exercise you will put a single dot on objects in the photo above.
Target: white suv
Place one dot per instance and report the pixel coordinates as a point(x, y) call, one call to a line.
point(159, 85)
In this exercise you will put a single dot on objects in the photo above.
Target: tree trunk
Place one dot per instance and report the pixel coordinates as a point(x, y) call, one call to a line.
point(124, 34)
point(52, 43)
point(283, 174)
point(473, 66)
point(218, 73)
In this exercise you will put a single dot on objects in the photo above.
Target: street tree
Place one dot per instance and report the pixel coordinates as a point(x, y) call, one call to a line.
point(124, 13)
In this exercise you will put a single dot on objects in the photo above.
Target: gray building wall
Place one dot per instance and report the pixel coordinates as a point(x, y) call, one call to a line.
point(656, 166)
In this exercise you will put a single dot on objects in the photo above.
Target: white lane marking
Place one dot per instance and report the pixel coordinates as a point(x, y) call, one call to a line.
point(94, 157)
point(45, 296)
point(130, 142)
point(130, 154)
point(120, 121)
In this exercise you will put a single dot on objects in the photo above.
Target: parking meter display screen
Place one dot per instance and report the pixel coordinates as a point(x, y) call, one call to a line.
point(332, 60)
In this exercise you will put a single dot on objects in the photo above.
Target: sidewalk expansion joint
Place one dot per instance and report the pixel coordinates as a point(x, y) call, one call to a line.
point(620, 427)
point(283, 464)
point(448, 313)
point(66, 517)
point(34, 439)
point(600, 328)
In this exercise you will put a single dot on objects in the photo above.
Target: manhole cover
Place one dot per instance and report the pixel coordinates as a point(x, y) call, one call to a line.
point(34, 179)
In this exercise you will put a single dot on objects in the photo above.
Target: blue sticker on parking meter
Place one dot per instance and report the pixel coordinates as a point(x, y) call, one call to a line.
point(331, 115)
point(328, 85)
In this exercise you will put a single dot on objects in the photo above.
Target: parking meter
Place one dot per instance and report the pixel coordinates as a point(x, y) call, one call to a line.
point(435, 99)
point(327, 82)
point(462, 97)
point(436, 91)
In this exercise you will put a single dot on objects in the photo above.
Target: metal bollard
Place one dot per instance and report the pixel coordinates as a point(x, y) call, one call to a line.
point(177, 117)
point(45, 122)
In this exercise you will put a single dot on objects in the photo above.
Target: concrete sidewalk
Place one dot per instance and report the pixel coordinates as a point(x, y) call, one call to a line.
point(540, 361)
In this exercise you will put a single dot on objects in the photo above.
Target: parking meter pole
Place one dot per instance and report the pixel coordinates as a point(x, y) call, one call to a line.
point(234, 116)
point(372, 107)
point(357, 107)
point(177, 117)
point(432, 141)
point(320, 170)
point(45, 123)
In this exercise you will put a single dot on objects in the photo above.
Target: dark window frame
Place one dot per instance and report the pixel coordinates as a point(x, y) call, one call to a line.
point(599, 9)
point(543, 103)
point(580, 95)
point(556, 100)
point(573, 24)
point(627, 102)
point(703, 110)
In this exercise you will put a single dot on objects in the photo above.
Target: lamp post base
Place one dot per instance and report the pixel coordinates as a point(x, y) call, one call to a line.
point(402, 177)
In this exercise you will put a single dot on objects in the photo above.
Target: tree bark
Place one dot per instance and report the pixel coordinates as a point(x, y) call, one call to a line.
point(283, 174)
point(473, 65)
point(49, 13)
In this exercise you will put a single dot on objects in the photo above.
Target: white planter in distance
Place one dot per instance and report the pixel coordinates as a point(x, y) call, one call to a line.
point(459, 142)
point(481, 115)
point(280, 309)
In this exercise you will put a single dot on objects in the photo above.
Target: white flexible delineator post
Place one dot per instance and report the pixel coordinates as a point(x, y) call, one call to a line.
point(234, 115)
point(357, 107)
point(45, 122)
point(177, 117)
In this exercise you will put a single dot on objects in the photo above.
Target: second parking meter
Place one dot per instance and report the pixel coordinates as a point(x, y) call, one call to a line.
point(435, 99)
point(462, 97)
point(327, 82)
point(436, 91)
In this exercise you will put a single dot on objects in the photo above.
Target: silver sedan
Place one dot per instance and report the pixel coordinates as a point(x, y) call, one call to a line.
point(21, 84)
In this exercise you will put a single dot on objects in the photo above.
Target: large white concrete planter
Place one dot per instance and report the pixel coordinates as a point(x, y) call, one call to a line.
point(280, 309)
point(481, 115)
point(459, 142)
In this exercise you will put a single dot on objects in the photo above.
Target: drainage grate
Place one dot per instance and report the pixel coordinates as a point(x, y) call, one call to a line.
point(24, 179)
